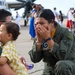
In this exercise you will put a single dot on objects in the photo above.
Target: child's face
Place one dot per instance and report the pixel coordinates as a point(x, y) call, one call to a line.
point(4, 36)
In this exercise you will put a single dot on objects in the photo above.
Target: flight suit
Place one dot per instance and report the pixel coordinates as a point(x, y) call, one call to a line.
point(60, 60)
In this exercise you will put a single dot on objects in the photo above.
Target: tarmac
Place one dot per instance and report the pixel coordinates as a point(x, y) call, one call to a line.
point(24, 45)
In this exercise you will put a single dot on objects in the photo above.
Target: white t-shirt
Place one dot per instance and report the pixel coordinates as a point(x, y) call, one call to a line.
point(56, 15)
point(70, 16)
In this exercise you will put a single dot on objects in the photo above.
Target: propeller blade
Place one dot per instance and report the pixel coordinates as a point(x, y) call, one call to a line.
point(20, 7)
point(22, 1)
point(33, 0)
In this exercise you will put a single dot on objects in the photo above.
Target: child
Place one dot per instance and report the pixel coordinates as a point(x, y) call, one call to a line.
point(9, 32)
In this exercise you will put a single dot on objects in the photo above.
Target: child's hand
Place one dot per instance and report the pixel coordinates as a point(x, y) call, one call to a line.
point(23, 61)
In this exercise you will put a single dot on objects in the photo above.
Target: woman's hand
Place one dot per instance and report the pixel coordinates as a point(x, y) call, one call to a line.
point(42, 32)
point(39, 38)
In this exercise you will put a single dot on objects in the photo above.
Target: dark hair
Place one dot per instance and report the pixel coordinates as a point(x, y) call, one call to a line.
point(46, 14)
point(12, 28)
point(3, 14)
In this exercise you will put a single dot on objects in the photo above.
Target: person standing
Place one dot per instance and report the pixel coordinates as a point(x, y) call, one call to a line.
point(31, 26)
point(69, 20)
point(56, 14)
point(60, 19)
point(54, 45)
point(18, 18)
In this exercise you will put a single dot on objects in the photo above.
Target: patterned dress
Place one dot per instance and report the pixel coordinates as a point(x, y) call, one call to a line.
point(14, 62)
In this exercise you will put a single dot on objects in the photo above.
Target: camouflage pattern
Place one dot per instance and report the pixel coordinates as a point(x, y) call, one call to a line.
point(60, 60)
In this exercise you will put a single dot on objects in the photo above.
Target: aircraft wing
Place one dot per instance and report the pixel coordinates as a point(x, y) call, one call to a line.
point(14, 4)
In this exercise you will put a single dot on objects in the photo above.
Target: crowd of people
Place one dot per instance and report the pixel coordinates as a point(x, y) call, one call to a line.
point(52, 43)
point(58, 16)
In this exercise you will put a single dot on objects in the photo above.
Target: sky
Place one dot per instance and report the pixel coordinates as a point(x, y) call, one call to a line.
point(62, 5)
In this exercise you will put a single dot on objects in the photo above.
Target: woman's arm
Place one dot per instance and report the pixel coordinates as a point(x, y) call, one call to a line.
point(3, 60)
point(6, 70)
point(35, 54)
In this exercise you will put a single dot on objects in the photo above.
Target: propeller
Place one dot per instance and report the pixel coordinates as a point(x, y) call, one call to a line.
point(27, 5)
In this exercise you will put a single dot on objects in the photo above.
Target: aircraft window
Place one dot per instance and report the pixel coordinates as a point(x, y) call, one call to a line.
point(1, 3)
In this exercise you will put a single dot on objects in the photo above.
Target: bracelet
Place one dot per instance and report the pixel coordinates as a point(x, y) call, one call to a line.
point(38, 43)
point(49, 38)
